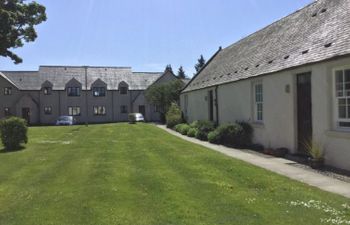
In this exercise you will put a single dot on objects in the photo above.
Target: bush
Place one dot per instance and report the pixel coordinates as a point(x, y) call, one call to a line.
point(173, 116)
point(257, 147)
point(192, 132)
point(132, 118)
point(204, 127)
point(13, 133)
point(184, 128)
point(214, 137)
point(194, 124)
point(237, 135)
point(177, 127)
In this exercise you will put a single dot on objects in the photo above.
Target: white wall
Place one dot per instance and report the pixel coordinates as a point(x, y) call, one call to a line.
point(279, 128)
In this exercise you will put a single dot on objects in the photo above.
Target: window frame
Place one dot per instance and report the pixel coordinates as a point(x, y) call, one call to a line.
point(69, 91)
point(47, 90)
point(70, 113)
point(48, 112)
point(336, 119)
point(7, 91)
point(125, 88)
point(99, 91)
point(97, 112)
point(7, 111)
point(258, 104)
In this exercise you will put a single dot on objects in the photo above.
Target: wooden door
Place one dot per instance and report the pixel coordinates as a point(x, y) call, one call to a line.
point(211, 106)
point(26, 114)
point(304, 107)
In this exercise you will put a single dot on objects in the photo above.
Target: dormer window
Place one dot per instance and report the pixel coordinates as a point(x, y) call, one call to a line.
point(47, 90)
point(99, 91)
point(7, 91)
point(73, 91)
point(123, 90)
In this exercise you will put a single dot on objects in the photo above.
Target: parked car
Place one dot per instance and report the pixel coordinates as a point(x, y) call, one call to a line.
point(136, 117)
point(65, 120)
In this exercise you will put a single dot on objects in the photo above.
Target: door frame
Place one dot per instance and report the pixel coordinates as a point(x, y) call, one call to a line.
point(27, 117)
point(296, 106)
point(211, 105)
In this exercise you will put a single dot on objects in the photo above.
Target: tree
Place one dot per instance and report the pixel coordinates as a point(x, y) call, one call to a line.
point(181, 73)
point(162, 95)
point(169, 68)
point(200, 64)
point(17, 21)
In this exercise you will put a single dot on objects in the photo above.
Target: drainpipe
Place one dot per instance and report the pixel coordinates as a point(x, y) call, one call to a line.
point(112, 93)
point(86, 98)
point(217, 105)
point(39, 107)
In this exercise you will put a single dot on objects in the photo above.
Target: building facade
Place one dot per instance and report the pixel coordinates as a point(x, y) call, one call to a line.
point(90, 94)
point(290, 80)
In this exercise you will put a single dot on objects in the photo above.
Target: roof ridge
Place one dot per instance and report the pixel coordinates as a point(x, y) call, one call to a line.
point(19, 71)
point(70, 66)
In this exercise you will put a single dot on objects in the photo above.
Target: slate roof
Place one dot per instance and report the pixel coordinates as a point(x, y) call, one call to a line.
point(59, 76)
point(318, 32)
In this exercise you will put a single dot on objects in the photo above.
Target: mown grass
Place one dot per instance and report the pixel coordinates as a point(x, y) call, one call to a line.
point(139, 174)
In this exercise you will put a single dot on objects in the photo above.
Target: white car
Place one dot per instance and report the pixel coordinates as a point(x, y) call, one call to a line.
point(65, 120)
point(136, 117)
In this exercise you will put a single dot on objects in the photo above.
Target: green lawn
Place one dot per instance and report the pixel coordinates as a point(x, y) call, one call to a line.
point(139, 174)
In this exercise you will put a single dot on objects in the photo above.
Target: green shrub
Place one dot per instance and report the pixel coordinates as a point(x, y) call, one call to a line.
point(132, 118)
point(13, 133)
point(194, 124)
point(177, 127)
point(184, 129)
point(204, 127)
point(214, 137)
point(237, 135)
point(230, 134)
point(173, 116)
point(192, 132)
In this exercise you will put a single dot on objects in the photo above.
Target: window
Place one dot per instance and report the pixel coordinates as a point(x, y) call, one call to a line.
point(74, 111)
point(7, 91)
point(123, 90)
point(99, 91)
point(258, 102)
point(99, 110)
point(73, 91)
point(48, 110)
point(7, 111)
point(342, 95)
point(123, 109)
point(47, 90)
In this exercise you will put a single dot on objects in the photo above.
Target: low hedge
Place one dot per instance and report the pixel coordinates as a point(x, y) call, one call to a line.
point(238, 135)
point(204, 128)
point(192, 132)
point(184, 129)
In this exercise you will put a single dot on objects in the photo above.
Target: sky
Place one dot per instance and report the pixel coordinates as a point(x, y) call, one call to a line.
point(144, 34)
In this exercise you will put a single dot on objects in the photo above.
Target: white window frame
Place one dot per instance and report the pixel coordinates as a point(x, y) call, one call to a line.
point(8, 91)
point(257, 102)
point(99, 110)
point(74, 111)
point(48, 110)
point(336, 99)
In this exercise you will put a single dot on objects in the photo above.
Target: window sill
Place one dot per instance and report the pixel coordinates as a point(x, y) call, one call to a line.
point(258, 125)
point(338, 134)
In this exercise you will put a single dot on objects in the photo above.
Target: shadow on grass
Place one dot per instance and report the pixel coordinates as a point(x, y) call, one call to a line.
point(5, 151)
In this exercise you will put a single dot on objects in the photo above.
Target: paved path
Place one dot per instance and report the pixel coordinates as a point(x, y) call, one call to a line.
point(277, 165)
